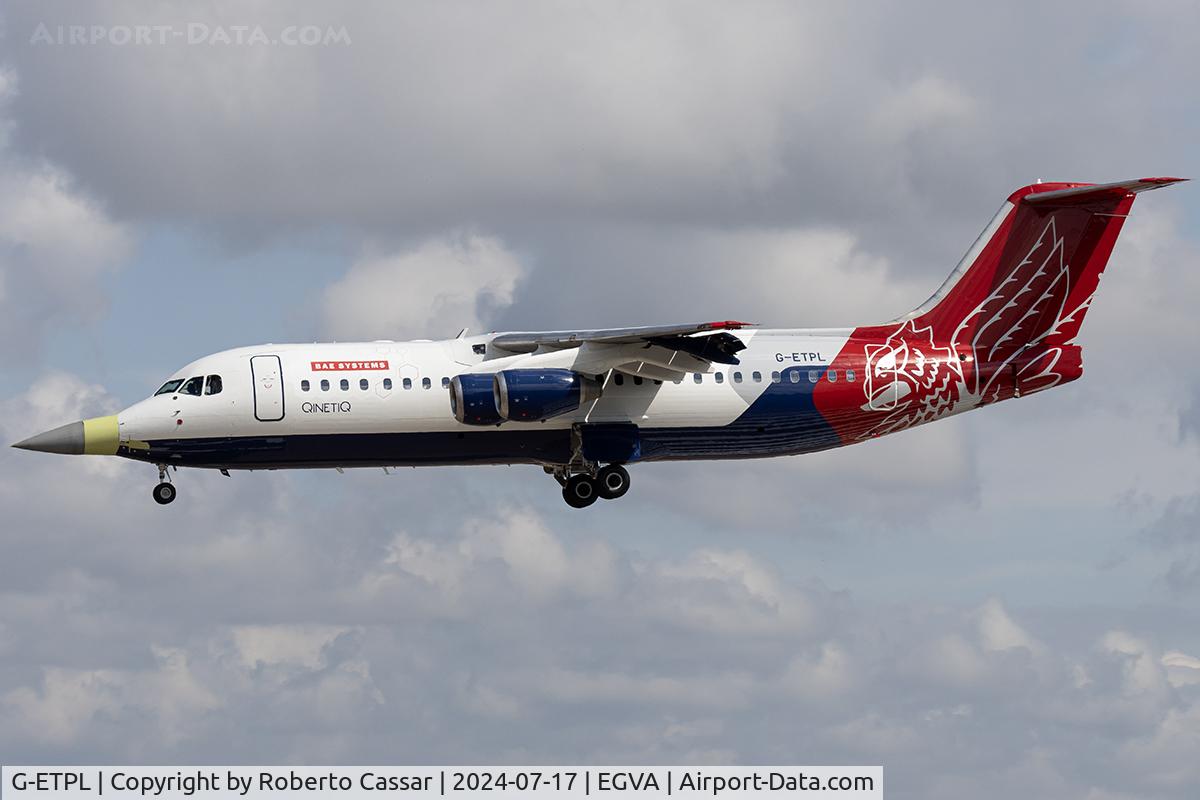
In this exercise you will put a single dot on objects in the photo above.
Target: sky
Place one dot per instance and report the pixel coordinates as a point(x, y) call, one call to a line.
point(1001, 604)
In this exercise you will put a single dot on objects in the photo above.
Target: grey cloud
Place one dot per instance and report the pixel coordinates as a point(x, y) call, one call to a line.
point(499, 638)
point(282, 618)
point(1189, 416)
point(695, 113)
point(437, 288)
point(793, 165)
point(794, 276)
point(57, 247)
point(1177, 532)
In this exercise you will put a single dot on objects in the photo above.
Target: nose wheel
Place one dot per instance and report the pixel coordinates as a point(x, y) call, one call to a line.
point(582, 489)
point(164, 492)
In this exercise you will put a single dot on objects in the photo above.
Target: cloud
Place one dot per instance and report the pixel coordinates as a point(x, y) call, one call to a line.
point(693, 113)
point(68, 702)
point(590, 132)
point(1182, 669)
point(297, 645)
point(1189, 417)
point(440, 286)
point(504, 631)
point(998, 631)
point(929, 103)
point(57, 247)
point(930, 601)
point(476, 646)
point(55, 398)
point(1177, 533)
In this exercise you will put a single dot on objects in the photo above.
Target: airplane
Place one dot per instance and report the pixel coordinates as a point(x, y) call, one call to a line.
point(585, 404)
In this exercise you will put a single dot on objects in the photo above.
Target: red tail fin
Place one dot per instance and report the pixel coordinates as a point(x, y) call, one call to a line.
point(1005, 321)
point(1024, 290)
point(1032, 279)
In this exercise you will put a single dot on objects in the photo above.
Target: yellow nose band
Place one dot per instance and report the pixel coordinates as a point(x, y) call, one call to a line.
point(100, 436)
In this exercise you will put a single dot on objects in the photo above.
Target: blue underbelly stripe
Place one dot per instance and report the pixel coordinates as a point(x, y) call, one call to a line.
point(363, 449)
point(783, 420)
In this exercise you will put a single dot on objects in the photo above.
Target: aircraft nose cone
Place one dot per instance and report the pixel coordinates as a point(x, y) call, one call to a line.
point(66, 439)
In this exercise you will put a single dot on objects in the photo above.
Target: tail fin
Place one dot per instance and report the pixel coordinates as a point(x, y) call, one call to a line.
point(1004, 323)
point(1030, 276)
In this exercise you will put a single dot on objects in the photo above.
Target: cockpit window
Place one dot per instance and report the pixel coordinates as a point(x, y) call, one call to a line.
point(170, 386)
point(214, 385)
point(193, 386)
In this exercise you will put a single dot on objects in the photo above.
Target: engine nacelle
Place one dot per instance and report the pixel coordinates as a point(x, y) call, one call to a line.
point(532, 395)
point(473, 399)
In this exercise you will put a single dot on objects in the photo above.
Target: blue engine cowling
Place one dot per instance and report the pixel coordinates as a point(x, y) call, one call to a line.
point(473, 399)
point(532, 395)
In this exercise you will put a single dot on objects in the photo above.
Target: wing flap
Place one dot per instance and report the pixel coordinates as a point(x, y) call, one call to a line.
point(721, 348)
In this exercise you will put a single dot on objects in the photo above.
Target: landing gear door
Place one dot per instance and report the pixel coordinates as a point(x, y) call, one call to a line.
point(266, 376)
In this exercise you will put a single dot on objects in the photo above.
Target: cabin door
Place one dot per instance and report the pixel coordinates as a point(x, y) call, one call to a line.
point(266, 377)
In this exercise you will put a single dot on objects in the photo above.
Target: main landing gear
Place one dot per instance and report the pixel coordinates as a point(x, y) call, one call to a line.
point(165, 491)
point(581, 489)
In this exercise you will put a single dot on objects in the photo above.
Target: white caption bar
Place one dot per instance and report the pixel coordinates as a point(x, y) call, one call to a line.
point(425, 783)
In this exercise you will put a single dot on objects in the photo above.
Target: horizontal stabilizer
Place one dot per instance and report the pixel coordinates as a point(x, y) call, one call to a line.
point(1028, 280)
point(1097, 191)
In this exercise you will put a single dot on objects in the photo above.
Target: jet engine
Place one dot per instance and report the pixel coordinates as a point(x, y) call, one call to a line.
point(473, 399)
point(532, 395)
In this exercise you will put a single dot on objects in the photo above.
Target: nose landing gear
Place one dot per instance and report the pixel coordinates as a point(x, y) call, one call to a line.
point(164, 492)
point(583, 488)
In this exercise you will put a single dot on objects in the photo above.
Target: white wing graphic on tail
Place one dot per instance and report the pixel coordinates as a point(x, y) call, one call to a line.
point(914, 379)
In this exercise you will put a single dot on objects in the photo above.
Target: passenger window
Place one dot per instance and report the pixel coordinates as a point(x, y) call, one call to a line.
point(193, 386)
point(345, 384)
point(387, 384)
point(832, 375)
point(324, 386)
point(618, 379)
point(719, 377)
point(407, 383)
point(813, 376)
point(794, 376)
point(213, 385)
point(445, 383)
point(698, 377)
point(479, 349)
point(757, 376)
point(850, 375)
point(737, 377)
point(425, 383)
point(776, 377)
point(363, 384)
point(169, 386)
point(304, 386)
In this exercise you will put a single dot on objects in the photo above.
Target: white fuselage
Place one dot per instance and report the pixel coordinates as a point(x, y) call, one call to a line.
point(387, 403)
point(342, 388)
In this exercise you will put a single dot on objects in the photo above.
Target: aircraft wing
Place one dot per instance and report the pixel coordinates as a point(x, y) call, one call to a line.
point(706, 341)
